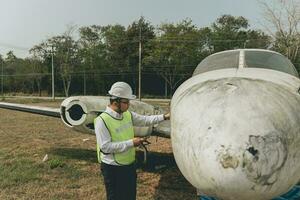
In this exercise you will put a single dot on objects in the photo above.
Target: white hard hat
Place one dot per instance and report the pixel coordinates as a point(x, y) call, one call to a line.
point(121, 90)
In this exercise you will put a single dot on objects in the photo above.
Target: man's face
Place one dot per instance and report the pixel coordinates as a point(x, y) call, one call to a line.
point(124, 104)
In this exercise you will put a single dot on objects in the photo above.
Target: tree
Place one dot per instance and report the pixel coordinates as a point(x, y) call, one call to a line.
point(229, 32)
point(42, 53)
point(38, 70)
point(104, 50)
point(257, 39)
point(115, 41)
point(178, 49)
point(10, 57)
point(282, 23)
point(139, 31)
point(11, 67)
point(91, 47)
point(2, 75)
point(65, 51)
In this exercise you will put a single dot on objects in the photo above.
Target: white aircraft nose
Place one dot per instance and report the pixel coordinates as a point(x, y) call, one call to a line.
point(237, 138)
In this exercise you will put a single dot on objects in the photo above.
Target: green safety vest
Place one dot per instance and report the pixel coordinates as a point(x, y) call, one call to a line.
point(120, 130)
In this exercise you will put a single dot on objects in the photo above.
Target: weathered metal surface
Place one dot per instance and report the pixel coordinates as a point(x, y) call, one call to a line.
point(79, 112)
point(235, 132)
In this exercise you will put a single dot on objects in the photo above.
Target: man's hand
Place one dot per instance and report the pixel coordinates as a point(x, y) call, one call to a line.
point(167, 116)
point(137, 141)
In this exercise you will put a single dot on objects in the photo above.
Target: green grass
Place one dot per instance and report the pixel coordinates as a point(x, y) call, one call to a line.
point(18, 171)
point(72, 171)
point(26, 100)
point(54, 163)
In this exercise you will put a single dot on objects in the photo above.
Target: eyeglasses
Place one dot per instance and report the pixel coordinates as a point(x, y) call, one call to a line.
point(125, 101)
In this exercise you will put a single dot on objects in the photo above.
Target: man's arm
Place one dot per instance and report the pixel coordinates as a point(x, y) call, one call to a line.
point(144, 120)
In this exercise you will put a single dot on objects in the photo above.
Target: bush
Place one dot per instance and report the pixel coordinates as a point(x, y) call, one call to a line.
point(54, 163)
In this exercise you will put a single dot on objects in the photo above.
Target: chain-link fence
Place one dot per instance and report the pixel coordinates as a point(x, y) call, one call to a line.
point(85, 83)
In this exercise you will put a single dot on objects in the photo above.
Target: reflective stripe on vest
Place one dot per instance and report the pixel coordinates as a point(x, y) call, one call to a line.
point(120, 130)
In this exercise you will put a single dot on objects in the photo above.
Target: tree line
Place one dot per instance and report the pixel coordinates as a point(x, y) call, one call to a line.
point(89, 62)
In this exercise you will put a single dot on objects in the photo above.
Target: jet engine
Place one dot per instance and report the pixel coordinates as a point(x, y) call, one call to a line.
point(79, 112)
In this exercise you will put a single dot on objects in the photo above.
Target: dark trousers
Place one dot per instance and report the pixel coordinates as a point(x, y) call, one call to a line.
point(120, 181)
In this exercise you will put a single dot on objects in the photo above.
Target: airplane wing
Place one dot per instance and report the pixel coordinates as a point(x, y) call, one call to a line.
point(78, 113)
point(52, 112)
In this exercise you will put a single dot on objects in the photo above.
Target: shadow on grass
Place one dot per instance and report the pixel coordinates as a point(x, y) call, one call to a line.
point(76, 153)
point(172, 184)
point(156, 161)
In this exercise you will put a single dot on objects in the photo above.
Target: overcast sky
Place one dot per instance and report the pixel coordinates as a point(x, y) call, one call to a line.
point(24, 23)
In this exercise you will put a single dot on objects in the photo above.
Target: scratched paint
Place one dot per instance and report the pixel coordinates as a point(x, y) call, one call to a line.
point(237, 137)
point(259, 166)
point(228, 159)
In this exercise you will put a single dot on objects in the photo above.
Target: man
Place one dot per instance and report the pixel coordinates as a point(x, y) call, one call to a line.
point(116, 142)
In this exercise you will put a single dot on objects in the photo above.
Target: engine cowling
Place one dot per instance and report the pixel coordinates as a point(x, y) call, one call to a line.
point(79, 112)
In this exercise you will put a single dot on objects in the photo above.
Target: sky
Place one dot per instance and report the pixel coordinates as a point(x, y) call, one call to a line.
point(25, 23)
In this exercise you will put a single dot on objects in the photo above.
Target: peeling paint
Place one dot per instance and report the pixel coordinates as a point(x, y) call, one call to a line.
point(227, 159)
point(261, 166)
point(231, 87)
point(237, 130)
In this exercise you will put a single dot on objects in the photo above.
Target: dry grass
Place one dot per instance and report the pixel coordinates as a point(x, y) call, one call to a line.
point(71, 171)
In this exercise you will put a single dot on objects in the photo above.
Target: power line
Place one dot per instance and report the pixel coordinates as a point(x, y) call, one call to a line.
point(29, 74)
point(162, 39)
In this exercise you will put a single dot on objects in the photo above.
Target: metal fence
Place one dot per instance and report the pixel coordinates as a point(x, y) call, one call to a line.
point(84, 83)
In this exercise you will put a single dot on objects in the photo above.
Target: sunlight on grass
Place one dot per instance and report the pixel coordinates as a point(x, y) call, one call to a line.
point(18, 171)
point(72, 170)
point(54, 163)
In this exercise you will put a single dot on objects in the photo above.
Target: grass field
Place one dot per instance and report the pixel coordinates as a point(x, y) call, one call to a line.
point(71, 171)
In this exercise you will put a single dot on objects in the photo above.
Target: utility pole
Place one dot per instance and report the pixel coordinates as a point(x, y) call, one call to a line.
point(53, 95)
point(166, 89)
point(2, 77)
point(140, 62)
point(245, 43)
point(84, 82)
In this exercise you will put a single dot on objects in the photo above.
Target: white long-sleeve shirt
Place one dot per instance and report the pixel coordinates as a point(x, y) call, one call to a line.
point(104, 139)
